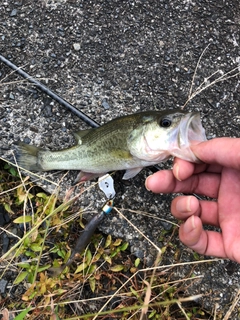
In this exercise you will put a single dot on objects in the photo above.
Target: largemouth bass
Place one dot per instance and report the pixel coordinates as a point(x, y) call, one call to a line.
point(126, 143)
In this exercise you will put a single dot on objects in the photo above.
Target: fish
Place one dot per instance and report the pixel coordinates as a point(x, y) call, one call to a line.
point(129, 142)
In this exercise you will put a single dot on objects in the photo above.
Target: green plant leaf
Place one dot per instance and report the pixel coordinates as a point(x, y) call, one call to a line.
point(124, 246)
point(152, 314)
point(117, 242)
point(66, 255)
point(92, 283)
point(7, 207)
point(23, 219)
point(21, 316)
point(41, 195)
point(196, 256)
point(135, 293)
point(92, 268)
point(30, 254)
point(136, 262)
point(42, 268)
point(24, 265)
point(81, 267)
point(35, 247)
point(88, 257)
point(107, 258)
point(108, 241)
point(21, 277)
point(117, 268)
point(13, 172)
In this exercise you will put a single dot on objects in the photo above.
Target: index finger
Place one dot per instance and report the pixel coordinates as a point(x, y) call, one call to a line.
point(221, 151)
point(165, 182)
point(183, 169)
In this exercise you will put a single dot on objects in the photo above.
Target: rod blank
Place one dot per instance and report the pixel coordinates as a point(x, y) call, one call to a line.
point(50, 93)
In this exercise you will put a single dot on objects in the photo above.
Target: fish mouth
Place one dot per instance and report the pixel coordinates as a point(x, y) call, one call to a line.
point(190, 132)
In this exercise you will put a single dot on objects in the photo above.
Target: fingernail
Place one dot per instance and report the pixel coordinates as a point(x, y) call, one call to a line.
point(146, 183)
point(176, 171)
point(188, 204)
point(189, 225)
point(184, 204)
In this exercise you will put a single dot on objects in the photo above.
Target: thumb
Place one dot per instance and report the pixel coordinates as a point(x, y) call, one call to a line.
point(222, 151)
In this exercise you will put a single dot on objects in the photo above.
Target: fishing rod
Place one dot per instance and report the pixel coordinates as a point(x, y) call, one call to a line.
point(50, 93)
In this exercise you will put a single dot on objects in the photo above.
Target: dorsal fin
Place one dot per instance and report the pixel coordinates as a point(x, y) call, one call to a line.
point(80, 134)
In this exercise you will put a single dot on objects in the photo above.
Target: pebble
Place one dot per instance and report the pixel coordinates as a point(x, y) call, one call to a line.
point(4, 216)
point(76, 46)
point(3, 285)
point(105, 104)
point(11, 96)
point(13, 13)
point(5, 242)
point(166, 225)
point(27, 140)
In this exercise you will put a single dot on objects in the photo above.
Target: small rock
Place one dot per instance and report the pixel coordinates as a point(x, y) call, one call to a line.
point(3, 284)
point(13, 13)
point(105, 104)
point(27, 140)
point(11, 96)
point(76, 46)
point(166, 225)
point(5, 242)
point(4, 216)
point(47, 110)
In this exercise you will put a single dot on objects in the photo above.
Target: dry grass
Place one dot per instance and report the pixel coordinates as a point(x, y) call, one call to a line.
point(111, 281)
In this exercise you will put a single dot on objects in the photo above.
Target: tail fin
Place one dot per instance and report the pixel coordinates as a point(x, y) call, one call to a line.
point(27, 157)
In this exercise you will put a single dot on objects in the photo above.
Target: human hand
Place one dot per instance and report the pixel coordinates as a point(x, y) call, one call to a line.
point(217, 177)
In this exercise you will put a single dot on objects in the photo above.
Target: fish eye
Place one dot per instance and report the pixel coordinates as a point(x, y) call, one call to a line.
point(165, 122)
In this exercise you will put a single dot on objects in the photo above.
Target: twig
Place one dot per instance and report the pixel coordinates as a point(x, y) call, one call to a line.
point(195, 71)
point(142, 234)
point(233, 305)
point(202, 87)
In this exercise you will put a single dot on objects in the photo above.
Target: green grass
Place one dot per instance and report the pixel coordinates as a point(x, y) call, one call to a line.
point(105, 282)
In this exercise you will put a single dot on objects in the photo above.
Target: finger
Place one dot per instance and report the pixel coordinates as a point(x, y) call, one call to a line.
point(183, 169)
point(226, 243)
point(229, 211)
point(183, 207)
point(165, 182)
point(202, 241)
point(161, 181)
point(222, 151)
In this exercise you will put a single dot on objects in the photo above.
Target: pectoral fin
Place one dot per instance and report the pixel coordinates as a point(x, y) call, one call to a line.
point(85, 176)
point(121, 154)
point(130, 173)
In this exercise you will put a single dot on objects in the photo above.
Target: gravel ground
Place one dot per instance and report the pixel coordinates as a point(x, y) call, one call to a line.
point(111, 58)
